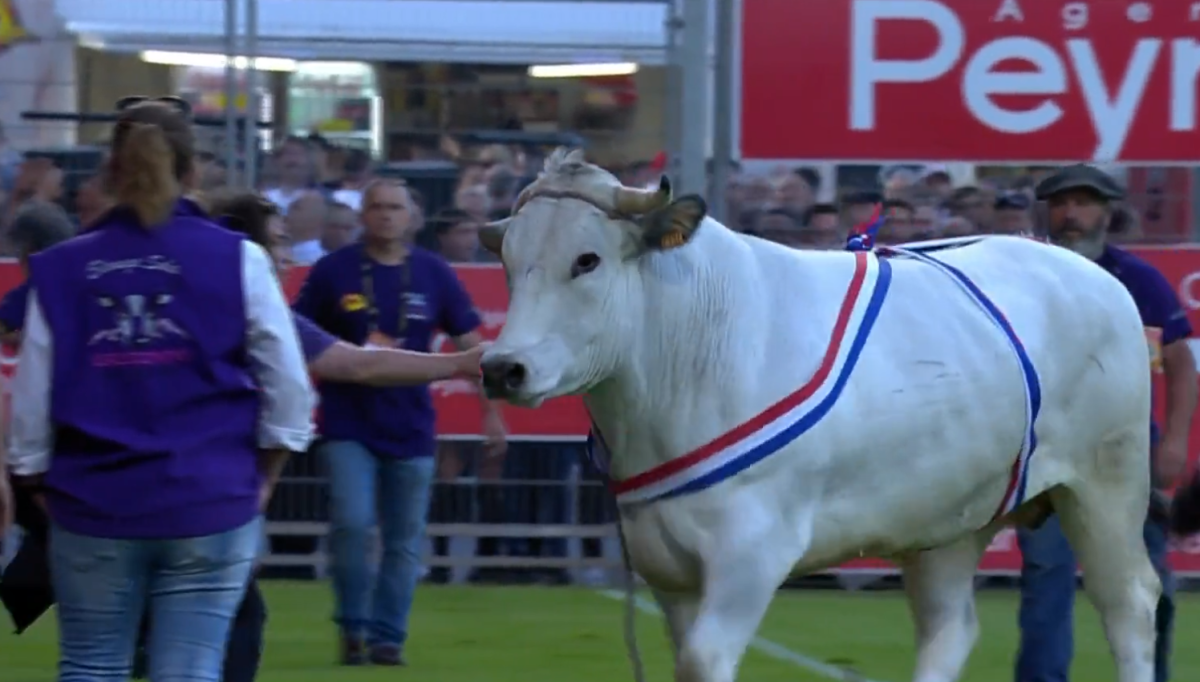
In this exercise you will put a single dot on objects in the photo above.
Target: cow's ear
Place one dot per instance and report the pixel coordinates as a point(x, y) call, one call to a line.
point(675, 224)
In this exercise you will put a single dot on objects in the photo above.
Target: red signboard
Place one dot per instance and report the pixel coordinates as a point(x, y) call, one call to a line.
point(971, 80)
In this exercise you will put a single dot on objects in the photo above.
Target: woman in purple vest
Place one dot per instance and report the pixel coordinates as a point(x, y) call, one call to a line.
point(330, 359)
point(161, 386)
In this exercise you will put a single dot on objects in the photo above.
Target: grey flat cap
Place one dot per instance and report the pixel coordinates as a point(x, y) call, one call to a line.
point(1080, 176)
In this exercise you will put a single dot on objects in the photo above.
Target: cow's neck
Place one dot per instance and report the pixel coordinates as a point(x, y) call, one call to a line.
point(698, 362)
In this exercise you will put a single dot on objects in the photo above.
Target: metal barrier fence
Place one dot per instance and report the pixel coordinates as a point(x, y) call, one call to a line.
point(540, 512)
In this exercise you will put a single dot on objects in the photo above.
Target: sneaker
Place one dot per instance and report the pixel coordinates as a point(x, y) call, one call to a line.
point(387, 654)
point(354, 652)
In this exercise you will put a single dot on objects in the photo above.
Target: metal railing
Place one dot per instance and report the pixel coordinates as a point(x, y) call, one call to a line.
point(541, 508)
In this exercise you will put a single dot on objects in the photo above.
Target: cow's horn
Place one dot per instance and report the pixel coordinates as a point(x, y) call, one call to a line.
point(633, 201)
point(491, 236)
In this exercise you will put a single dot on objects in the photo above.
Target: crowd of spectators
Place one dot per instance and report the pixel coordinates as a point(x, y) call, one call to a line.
point(318, 185)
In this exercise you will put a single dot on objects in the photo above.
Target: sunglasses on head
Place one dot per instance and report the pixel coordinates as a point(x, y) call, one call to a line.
point(180, 105)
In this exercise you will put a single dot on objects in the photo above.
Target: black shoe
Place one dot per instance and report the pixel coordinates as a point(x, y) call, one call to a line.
point(387, 655)
point(354, 652)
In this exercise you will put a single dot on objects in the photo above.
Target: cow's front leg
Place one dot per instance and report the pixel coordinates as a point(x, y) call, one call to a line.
point(737, 592)
point(679, 611)
point(940, 585)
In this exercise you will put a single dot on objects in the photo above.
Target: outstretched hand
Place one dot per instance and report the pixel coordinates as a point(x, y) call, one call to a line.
point(467, 362)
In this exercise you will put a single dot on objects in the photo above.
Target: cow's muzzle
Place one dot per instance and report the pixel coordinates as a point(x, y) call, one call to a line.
point(503, 377)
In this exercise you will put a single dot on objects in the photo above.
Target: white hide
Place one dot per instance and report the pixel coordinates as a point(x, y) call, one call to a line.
point(915, 454)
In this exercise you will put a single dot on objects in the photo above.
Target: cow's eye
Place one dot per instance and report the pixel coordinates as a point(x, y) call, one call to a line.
point(585, 264)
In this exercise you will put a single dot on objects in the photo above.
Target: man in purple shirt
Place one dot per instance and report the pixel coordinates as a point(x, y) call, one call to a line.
point(386, 294)
point(1080, 208)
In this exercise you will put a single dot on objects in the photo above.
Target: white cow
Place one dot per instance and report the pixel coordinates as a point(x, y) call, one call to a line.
point(774, 412)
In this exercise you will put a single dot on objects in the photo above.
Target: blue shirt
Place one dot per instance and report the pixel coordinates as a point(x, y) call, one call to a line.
point(1156, 300)
point(348, 294)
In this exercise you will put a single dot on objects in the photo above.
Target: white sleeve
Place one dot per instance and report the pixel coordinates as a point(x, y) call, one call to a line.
point(32, 436)
point(288, 399)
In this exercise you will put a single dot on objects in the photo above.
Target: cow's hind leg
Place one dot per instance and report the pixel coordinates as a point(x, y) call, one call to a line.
point(940, 585)
point(1103, 521)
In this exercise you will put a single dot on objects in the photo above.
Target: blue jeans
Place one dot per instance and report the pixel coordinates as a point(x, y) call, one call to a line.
point(1048, 600)
point(365, 488)
point(193, 586)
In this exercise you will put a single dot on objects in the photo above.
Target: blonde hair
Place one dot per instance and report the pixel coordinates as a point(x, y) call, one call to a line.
point(146, 182)
point(152, 152)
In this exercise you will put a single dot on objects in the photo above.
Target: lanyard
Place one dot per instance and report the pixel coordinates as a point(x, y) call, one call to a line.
point(368, 285)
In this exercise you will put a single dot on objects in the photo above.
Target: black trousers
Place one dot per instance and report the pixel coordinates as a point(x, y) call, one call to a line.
point(244, 651)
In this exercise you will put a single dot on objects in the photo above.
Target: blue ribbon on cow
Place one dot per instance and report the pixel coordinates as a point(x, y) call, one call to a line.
point(862, 237)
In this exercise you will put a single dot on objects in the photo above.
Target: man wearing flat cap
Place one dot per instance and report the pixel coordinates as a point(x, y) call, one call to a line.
point(1080, 201)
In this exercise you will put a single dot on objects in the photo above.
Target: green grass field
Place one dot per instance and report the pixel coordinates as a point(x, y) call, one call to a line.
point(556, 634)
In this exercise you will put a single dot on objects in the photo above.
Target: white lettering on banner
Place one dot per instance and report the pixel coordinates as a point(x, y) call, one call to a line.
point(1009, 9)
point(1113, 119)
point(1195, 12)
point(1112, 113)
point(866, 70)
point(1186, 287)
point(1186, 56)
point(980, 83)
point(1075, 16)
point(1139, 12)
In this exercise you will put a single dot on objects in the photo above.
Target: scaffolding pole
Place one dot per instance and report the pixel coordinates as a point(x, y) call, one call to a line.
point(725, 98)
point(231, 92)
point(250, 130)
point(694, 101)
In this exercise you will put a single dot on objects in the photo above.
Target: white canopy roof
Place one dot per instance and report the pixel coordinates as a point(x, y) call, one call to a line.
point(495, 31)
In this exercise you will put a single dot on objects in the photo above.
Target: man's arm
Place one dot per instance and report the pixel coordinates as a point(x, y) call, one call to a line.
point(459, 319)
point(1179, 370)
point(1162, 309)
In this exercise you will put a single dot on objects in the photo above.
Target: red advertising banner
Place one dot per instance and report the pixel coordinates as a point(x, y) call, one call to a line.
point(971, 80)
point(564, 418)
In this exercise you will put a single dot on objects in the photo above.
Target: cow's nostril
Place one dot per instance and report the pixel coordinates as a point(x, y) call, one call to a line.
point(502, 376)
point(514, 377)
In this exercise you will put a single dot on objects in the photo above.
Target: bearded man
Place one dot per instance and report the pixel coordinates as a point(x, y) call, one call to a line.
point(1081, 200)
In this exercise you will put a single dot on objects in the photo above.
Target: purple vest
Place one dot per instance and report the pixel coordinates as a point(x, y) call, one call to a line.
point(153, 406)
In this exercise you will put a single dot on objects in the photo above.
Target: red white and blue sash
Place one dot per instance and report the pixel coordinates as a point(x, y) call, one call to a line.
point(1014, 495)
point(785, 421)
point(788, 419)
